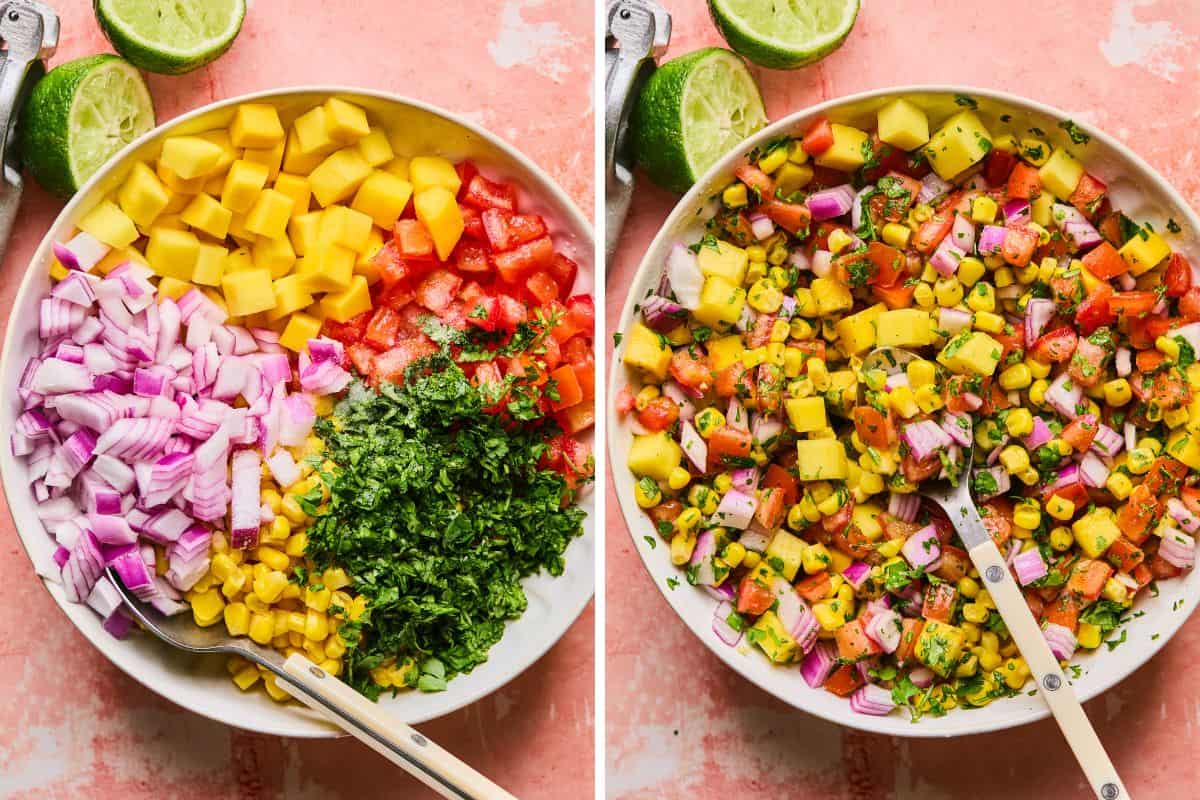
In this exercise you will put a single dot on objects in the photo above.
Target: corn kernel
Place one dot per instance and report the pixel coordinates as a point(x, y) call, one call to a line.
point(970, 270)
point(1089, 636)
point(897, 235)
point(988, 322)
point(974, 612)
point(1139, 460)
point(1027, 516)
point(815, 558)
point(928, 398)
point(318, 599)
point(735, 195)
point(272, 558)
point(679, 478)
point(1019, 421)
point(1015, 378)
point(291, 509)
point(923, 296)
point(1060, 507)
point(316, 626)
point(682, 546)
point(839, 240)
point(709, 421)
point(948, 292)
point(1014, 458)
point(968, 587)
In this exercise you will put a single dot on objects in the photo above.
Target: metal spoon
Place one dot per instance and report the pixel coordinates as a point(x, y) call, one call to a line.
point(340, 704)
point(959, 506)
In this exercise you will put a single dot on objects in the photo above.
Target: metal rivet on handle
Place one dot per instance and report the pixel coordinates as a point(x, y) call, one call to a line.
point(422, 741)
point(1052, 683)
point(317, 671)
point(1109, 791)
point(995, 574)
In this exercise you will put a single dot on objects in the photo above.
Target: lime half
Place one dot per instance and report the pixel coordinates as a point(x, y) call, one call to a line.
point(171, 36)
point(692, 111)
point(784, 34)
point(78, 116)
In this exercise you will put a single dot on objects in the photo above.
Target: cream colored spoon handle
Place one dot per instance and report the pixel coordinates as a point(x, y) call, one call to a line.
point(401, 744)
point(1053, 685)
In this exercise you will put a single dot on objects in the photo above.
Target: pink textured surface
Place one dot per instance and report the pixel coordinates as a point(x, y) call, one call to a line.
point(76, 727)
point(682, 725)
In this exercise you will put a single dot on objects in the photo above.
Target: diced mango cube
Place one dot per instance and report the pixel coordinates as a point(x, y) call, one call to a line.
point(291, 295)
point(647, 351)
point(428, 171)
point(270, 214)
point(190, 157)
point(905, 327)
point(303, 231)
point(344, 226)
point(312, 133)
point(399, 167)
point(274, 255)
point(1095, 532)
point(831, 296)
point(207, 215)
point(173, 288)
point(960, 142)
point(806, 414)
point(296, 187)
point(1143, 252)
point(725, 351)
point(346, 122)
point(375, 148)
point(172, 253)
point(143, 197)
point(725, 260)
point(269, 157)
point(328, 269)
point(108, 223)
point(243, 183)
point(349, 302)
point(903, 125)
point(210, 265)
point(721, 302)
point(366, 265)
point(1184, 446)
point(1061, 173)
point(300, 328)
point(849, 150)
point(939, 646)
point(856, 332)
point(256, 125)
point(971, 352)
point(821, 460)
point(297, 162)
point(788, 549)
point(654, 455)
point(178, 185)
point(238, 230)
point(437, 208)
point(382, 197)
point(240, 259)
point(774, 640)
point(338, 176)
point(248, 292)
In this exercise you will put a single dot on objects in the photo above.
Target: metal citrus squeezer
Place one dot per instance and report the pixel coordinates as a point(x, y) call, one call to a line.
point(29, 35)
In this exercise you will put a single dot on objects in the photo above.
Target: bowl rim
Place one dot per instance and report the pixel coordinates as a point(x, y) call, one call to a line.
point(548, 189)
point(651, 260)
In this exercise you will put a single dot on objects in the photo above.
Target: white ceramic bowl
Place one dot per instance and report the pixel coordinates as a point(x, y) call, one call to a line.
point(201, 684)
point(1136, 188)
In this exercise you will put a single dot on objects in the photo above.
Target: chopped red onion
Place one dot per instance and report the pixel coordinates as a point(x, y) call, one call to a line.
point(872, 700)
point(922, 548)
point(991, 240)
point(885, 629)
point(932, 188)
point(662, 315)
point(720, 624)
point(904, 506)
point(1093, 471)
point(925, 438)
point(1038, 313)
point(83, 252)
point(1064, 396)
point(963, 234)
point(1107, 442)
point(1000, 476)
point(946, 257)
point(1061, 640)
point(735, 511)
point(761, 226)
point(818, 665)
point(831, 203)
point(684, 275)
point(1029, 566)
point(1177, 548)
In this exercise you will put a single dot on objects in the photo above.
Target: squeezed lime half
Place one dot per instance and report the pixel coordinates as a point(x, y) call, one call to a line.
point(784, 34)
point(171, 36)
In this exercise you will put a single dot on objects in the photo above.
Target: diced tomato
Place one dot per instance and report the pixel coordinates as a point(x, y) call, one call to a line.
point(844, 681)
point(939, 602)
point(756, 180)
point(1055, 346)
point(542, 287)
point(814, 587)
point(1024, 182)
point(1087, 363)
point(511, 312)
point(1096, 310)
point(1132, 304)
point(466, 171)
point(581, 312)
point(853, 644)
point(577, 418)
point(412, 239)
point(1140, 510)
point(909, 634)
point(484, 194)
point(851, 541)
point(1171, 390)
point(931, 232)
point(770, 388)
point(838, 520)
point(917, 471)
point(753, 598)
point(347, 332)
point(1164, 476)
point(389, 365)
point(392, 268)
point(1189, 304)
point(956, 564)
point(471, 258)
point(1104, 262)
point(1144, 331)
point(887, 264)
point(515, 264)
point(1018, 247)
point(792, 217)
point(874, 428)
point(362, 357)
point(578, 351)
point(381, 331)
point(692, 373)
point(1080, 432)
point(438, 289)
point(484, 313)
point(1088, 195)
point(1178, 275)
point(998, 166)
point(472, 224)
point(771, 509)
point(895, 297)
point(1088, 577)
point(777, 477)
point(506, 230)
point(818, 138)
point(1063, 610)
point(563, 270)
point(728, 444)
point(1124, 555)
point(659, 414)
point(1162, 570)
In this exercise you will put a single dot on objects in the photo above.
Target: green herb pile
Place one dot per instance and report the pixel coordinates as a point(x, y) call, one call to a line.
point(438, 511)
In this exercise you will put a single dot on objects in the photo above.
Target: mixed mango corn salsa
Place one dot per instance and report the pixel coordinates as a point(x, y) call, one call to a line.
point(1052, 334)
point(265, 361)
